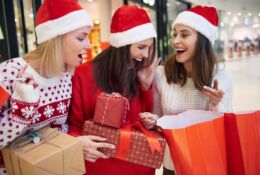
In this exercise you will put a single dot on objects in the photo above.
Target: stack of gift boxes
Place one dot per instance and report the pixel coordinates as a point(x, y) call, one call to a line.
point(132, 141)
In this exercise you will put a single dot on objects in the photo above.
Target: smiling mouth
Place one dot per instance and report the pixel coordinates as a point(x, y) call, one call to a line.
point(180, 51)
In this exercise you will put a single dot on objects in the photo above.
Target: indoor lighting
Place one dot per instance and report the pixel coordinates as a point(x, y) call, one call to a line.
point(229, 13)
point(249, 14)
point(239, 14)
point(1, 33)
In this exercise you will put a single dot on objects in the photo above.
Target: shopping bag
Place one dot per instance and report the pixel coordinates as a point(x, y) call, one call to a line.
point(243, 142)
point(197, 142)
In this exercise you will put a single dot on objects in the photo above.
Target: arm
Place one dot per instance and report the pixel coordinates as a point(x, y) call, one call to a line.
point(90, 144)
point(19, 110)
point(76, 118)
point(221, 93)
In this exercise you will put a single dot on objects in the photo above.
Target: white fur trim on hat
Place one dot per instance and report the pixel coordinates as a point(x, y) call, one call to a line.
point(65, 24)
point(133, 35)
point(198, 23)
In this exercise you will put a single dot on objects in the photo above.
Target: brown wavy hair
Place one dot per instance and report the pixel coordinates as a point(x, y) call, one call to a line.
point(204, 63)
point(112, 73)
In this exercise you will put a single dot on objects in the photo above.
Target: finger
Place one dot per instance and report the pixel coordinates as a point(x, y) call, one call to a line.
point(157, 62)
point(215, 84)
point(211, 90)
point(104, 145)
point(22, 70)
point(96, 138)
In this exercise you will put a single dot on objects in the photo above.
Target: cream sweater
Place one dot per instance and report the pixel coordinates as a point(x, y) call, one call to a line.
point(172, 99)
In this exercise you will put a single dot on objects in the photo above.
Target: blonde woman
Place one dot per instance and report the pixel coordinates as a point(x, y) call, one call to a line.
point(40, 82)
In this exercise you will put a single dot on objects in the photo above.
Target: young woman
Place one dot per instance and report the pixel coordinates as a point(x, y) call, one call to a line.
point(125, 67)
point(40, 82)
point(191, 79)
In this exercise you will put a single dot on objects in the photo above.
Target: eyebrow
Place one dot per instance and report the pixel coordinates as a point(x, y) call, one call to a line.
point(183, 30)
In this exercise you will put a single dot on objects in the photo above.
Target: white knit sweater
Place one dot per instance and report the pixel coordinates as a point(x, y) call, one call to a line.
point(172, 99)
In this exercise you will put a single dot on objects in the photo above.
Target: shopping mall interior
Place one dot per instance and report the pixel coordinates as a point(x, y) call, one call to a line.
point(237, 46)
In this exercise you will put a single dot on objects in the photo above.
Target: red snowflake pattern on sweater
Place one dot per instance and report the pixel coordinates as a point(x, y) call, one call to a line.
point(29, 108)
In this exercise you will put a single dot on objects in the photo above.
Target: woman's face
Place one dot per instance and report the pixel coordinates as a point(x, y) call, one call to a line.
point(184, 42)
point(140, 51)
point(75, 45)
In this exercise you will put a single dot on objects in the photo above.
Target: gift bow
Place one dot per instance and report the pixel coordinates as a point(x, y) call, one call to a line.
point(113, 95)
point(36, 137)
point(125, 137)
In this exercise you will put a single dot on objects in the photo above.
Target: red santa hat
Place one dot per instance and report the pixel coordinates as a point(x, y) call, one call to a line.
point(202, 19)
point(130, 24)
point(58, 17)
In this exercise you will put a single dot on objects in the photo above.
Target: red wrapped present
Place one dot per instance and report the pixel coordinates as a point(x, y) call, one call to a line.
point(133, 143)
point(111, 110)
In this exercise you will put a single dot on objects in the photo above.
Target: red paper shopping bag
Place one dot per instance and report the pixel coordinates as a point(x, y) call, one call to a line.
point(197, 142)
point(4, 95)
point(243, 143)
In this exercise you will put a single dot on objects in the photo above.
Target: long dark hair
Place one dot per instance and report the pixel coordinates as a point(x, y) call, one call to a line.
point(203, 66)
point(112, 73)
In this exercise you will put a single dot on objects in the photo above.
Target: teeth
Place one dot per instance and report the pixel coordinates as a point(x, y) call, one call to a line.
point(84, 56)
point(139, 59)
point(180, 49)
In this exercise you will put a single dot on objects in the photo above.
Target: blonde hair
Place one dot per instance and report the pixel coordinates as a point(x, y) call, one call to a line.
point(51, 57)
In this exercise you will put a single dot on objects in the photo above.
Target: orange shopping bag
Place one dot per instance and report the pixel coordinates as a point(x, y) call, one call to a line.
point(243, 143)
point(197, 142)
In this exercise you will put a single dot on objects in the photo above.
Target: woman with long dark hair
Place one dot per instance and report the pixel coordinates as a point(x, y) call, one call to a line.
point(126, 67)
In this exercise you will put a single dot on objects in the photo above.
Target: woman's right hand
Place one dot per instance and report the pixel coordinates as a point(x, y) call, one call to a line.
point(90, 145)
point(148, 119)
point(26, 78)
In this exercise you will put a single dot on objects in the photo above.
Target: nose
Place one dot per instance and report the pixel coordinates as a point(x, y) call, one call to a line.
point(175, 40)
point(87, 44)
point(145, 53)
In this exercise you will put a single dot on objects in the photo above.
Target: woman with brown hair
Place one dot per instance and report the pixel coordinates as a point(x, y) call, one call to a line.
point(126, 67)
point(191, 78)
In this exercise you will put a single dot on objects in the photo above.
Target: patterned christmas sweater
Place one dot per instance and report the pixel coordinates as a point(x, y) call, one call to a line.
point(30, 108)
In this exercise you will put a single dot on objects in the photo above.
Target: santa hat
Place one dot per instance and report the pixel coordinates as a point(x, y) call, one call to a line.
point(58, 17)
point(202, 19)
point(130, 24)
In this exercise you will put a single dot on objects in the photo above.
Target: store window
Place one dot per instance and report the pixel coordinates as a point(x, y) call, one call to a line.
point(173, 9)
point(24, 20)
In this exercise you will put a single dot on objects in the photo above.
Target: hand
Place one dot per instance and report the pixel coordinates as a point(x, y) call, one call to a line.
point(145, 75)
point(214, 93)
point(25, 77)
point(90, 145)
point(148, 119)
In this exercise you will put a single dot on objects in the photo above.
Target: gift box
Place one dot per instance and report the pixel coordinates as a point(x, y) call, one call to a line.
point(111, 110)
point(131, 144)
point(60, 155)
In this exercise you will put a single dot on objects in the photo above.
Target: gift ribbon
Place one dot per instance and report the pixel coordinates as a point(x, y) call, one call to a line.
point(36, 137)
point(125, 137)
point(113, 95)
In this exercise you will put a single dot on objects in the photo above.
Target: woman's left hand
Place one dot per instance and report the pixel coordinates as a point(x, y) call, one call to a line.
point(214, 93)
point(145, 75)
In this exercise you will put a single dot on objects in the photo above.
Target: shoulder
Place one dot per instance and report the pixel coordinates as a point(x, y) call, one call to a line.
point(84, 69)
point(160, 73)
point(10, 68)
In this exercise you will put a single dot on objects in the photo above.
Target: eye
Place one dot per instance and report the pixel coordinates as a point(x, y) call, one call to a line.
point(141, 47)
point(81, 38)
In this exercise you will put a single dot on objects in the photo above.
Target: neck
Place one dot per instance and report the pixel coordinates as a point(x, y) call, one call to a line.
point(188, 68)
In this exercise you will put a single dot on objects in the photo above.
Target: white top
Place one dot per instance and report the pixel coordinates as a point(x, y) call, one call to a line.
point(172, 99)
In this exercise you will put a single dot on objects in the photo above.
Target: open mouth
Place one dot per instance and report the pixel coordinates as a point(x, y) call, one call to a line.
point(139, 59)
point(180, 51)
point(82, 57)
